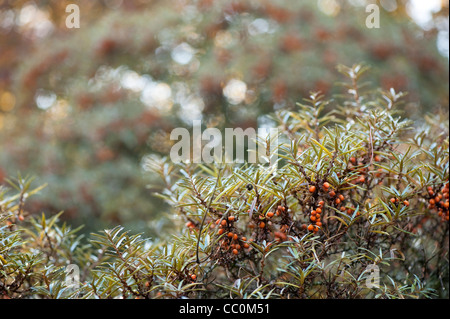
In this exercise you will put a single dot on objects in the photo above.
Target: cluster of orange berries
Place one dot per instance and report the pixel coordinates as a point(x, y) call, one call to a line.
point(225, 223)
point(395, 201)
point(280, 235)
point(231, 241)
point(315, 218)
point(338, 199)
point(264, 220)
point(354, 163)
point(440, 201)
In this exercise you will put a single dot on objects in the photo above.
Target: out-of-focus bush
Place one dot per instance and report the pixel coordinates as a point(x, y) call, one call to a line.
point(80, 108)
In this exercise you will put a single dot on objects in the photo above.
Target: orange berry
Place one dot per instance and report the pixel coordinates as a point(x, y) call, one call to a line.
point(310, 227)
point(343, 208)
point(230, 218)
point(319, 210)
point(341, 197)
point(406, 203)
point(321, 203)
point(237, 246)
point(313, 213)
point(337, 201)
point(235, 237)
point(332, 193)
point(244, 238)
point(235, 251)
point(281, 208)
point(362, 179)
point(223, 222)
point(188, 224)
point(280, 235)
point(432, 202)
point(319, 224)
point(437, 199)
point(193, 276)
point(221, 231)
point(262, 225)
point(217, 222)
point(312, 189)
point(353, 160)
point(393, 200)
point(377, 158)
point(230, 234)
point(246, 245)
point(270, 214)
point(446, 204)
point(21, 218)
point(304, 227)
point(313, 218)
point(326, 185)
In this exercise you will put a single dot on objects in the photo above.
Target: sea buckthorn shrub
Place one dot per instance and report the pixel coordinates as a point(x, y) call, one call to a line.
point(356, 207)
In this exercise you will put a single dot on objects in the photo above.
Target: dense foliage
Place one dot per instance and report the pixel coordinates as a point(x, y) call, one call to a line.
point(358, 185)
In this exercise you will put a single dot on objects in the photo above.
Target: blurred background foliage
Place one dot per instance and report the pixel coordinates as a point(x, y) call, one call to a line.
point(81, 108)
